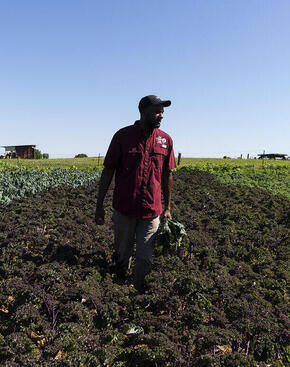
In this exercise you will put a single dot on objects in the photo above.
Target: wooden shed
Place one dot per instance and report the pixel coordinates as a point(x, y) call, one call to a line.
point(19, 151)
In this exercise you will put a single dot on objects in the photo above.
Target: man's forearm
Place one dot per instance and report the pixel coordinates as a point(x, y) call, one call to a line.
point(104, 184)
point(167, 181)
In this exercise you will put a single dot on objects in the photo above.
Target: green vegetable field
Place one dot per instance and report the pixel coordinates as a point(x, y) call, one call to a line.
point(218, 295)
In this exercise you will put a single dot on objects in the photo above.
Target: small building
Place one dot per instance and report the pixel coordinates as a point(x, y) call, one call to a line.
point(273, 156)
point(19, 151)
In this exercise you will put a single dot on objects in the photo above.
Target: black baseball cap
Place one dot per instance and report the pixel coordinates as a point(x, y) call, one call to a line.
point(152, 100)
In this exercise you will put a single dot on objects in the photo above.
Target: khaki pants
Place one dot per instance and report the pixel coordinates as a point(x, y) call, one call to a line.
point(128, 231)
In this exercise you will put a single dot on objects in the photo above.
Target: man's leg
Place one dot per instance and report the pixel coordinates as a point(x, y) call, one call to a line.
point(124, 232)
point(145, 234)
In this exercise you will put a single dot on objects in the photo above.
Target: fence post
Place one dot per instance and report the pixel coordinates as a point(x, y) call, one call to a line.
point(179, 159)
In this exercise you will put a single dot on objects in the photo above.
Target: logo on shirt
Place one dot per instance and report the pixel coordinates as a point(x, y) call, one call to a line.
point(161, 141)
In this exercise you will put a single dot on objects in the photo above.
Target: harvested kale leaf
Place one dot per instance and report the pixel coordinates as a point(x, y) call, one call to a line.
point(170, 236)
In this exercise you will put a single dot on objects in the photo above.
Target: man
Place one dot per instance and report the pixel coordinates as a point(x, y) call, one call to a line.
point(141, 157)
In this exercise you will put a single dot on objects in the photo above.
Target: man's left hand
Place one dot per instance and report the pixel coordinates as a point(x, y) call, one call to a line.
point(166, 214)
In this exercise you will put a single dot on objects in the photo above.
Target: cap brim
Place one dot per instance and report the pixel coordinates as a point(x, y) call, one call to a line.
point(166, 103)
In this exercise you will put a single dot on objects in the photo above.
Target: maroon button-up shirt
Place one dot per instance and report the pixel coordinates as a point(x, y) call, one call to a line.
point(139, 164)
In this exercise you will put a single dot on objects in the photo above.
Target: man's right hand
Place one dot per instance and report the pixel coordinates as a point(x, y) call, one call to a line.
point(100, 216)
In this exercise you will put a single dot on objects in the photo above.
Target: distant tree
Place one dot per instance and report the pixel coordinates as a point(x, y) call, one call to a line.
point(81, 155)
point(37, 154)
point(45, 156)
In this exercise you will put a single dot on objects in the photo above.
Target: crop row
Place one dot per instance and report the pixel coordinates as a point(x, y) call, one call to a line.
point(270, 177)
point(16, 184)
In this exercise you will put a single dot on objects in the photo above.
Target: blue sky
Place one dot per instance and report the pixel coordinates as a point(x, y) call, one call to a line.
point(72, 73)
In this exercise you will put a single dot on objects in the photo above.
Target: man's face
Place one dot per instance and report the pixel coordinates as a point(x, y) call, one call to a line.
point(153, 116)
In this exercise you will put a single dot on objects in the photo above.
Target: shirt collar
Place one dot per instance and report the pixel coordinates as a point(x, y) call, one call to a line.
point(141, 131)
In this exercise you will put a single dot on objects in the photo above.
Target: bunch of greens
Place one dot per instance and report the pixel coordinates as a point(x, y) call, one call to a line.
point(170, 236)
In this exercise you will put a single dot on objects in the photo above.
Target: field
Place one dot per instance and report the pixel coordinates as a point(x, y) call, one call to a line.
point(223, 301)
point(90, 164)
point(87, 164)
point(268, 175)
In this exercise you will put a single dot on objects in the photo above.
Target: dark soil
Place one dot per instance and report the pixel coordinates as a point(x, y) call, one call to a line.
point(222, 302)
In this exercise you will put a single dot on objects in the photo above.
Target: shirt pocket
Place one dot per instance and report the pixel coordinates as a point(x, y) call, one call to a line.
point(157, 156)
point(132, 160)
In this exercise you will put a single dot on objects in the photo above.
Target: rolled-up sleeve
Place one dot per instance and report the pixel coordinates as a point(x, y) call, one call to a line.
point(113, 156)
